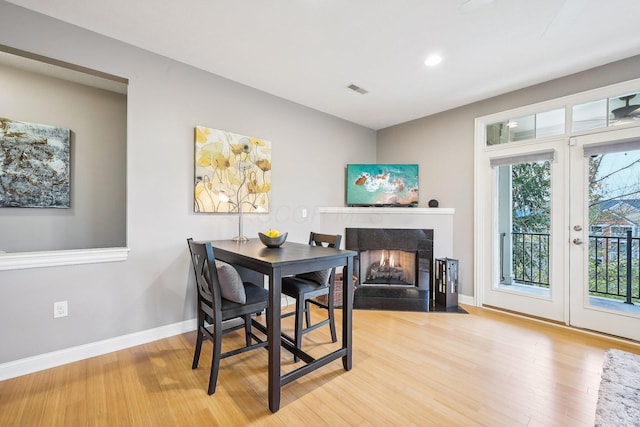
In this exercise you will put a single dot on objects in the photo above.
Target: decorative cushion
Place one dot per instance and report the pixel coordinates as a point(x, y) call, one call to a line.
point(231, 286)
point(321, 276)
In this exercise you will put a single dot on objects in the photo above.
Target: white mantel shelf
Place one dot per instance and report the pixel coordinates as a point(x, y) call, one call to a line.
point(387, 210)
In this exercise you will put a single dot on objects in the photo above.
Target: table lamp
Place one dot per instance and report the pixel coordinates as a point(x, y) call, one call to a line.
point(240, 237)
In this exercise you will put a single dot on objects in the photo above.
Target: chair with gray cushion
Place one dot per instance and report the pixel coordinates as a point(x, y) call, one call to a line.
point(222, 295)
point(306, 287)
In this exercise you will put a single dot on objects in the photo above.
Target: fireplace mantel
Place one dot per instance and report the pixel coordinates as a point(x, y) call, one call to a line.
point(338, 219)
point(386, 211)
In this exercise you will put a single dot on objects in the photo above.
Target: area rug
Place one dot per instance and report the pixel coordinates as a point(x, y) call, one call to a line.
point(619, 393)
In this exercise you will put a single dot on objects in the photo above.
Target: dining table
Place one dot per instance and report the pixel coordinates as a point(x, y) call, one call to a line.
point(289, 259)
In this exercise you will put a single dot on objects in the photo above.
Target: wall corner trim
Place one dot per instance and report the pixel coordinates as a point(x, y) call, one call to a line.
point(21, 260)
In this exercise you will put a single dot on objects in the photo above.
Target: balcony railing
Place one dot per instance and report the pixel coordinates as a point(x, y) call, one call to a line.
point(613, 267)
point(614, 264)
point(531, 258)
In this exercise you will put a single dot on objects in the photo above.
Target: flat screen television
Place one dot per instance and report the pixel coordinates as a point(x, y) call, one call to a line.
point(382, 185)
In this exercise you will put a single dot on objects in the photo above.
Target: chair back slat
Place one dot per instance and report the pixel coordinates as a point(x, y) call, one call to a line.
point(206, 274)
point(327, 240)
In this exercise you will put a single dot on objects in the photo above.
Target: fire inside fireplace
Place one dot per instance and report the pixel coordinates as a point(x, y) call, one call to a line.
point(388, 267)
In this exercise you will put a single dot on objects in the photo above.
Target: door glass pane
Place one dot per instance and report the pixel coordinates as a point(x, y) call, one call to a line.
point(614, 240)
point(590, 115)
point(524, 222)
point(624, 109)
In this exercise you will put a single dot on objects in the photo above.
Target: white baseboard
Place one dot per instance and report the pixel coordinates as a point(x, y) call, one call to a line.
point(466, 299)
point(40, 362)
point(28, 365)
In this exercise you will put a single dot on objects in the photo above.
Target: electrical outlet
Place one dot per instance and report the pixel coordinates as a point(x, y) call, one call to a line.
point(60, 309)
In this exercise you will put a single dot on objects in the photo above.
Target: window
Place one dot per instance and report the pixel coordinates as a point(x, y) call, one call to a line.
point(589, 115)
point(624, 109)
point(539, 125)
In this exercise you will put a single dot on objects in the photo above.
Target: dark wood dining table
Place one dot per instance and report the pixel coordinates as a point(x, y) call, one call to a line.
point(292, 258)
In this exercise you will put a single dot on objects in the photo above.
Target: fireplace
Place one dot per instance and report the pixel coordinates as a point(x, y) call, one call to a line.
point(392, 257)
point(428, 231)
point(387, 267)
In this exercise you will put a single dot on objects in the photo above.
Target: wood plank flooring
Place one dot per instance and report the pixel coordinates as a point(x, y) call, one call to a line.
point(484, 368)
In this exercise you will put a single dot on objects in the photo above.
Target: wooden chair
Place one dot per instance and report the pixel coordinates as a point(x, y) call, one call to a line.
point(305, 287)
point(213, 309)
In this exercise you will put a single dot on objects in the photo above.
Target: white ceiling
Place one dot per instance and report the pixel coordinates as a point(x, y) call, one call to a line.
point(309, 51)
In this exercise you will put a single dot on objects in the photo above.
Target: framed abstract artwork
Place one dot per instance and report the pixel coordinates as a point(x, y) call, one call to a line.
point(232, 172)
point(34, 165)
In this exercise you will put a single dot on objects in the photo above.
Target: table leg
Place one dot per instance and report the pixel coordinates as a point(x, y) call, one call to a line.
point(347, 313)
point(273, 335)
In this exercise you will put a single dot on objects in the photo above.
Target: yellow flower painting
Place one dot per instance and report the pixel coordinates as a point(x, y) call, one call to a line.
point(232, 172)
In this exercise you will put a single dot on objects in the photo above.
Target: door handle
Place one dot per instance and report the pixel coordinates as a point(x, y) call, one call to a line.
point(577, 241)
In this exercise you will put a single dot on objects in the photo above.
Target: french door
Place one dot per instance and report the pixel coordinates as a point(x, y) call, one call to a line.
point(524, 251)
point(560, 232)
point(604, 243)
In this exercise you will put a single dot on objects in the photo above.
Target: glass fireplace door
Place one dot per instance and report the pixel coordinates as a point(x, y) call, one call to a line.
point(387, 267)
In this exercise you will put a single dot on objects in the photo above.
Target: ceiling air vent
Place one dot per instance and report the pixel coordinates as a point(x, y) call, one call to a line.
point(358, 89)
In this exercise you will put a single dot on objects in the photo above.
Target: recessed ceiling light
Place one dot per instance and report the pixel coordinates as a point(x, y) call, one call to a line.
point(433, 60)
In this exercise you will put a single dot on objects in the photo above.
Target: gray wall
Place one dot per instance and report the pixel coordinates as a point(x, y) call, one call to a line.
point(97, 119)
point(166, 100)
point(443, 146)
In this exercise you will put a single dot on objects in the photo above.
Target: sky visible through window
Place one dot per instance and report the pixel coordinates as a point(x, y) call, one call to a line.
point(620, 175)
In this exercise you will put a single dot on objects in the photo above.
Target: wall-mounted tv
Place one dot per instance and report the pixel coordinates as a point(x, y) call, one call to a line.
point(382, 185)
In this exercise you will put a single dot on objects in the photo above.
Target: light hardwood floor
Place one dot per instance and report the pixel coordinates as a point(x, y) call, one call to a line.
point(482, 368)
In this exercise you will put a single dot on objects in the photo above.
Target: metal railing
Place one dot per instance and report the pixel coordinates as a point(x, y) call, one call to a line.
point(530, 258)
point(614, 263)
point(614, 267)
